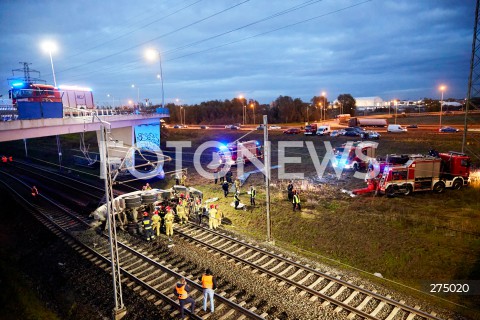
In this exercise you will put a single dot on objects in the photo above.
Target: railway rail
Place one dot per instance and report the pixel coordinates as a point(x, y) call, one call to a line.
point(310, 282)
point(146, 271)
point(346, 297)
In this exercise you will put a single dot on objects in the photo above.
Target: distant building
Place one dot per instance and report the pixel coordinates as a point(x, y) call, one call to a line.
point(369, 103)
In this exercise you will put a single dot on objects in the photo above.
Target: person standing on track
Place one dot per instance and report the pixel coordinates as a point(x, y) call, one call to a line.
point(156, 223)
point(169, 223)
point(181, 212)
point(209, 284)
point(181, 290)
point(212, 217)
point(147, 227)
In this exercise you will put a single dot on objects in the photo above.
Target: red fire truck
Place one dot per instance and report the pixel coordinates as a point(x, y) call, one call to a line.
point(420, 173)
point(311, 129)
point(354, 155)
point(236, 152)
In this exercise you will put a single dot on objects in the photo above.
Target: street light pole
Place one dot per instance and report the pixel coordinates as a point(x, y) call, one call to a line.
point(49, 47)
point(324, 95)
point(442, 89)
point(151, 55)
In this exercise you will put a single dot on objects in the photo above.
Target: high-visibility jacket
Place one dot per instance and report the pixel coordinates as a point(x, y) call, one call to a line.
point(296, 199)
point(155, 219)
point(212, 213)
point(180, 209)
point(237, 198)
point(181, 292)
point(147, 223)
point(169, 217)
point(207, 282)
point(253, 193)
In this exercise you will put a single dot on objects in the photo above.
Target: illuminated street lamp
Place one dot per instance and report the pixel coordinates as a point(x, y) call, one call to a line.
point(49, 46)
point(442, 89)
point(113, 100)
point(252, 105)
point(324, 95)
point(153, 54)
point(244, 108)
point(138, 94)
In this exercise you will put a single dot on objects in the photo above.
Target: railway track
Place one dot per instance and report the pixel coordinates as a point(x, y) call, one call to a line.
point(311, 283)
point(143, 269)
point(346, 297)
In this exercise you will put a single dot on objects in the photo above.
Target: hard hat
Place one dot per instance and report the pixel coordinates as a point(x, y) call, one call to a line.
point(156, 212)
point(168, 208)
point(145, 214)
point(216, 206)
point(212, 206)
point(182, 195)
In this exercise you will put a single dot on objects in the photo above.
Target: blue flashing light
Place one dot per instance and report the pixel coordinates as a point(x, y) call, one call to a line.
point(223, 147)
point(18, 84)
point(257, 143)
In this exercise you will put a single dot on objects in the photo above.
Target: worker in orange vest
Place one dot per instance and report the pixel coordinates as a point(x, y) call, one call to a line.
point(208, 284)
point(181, 290)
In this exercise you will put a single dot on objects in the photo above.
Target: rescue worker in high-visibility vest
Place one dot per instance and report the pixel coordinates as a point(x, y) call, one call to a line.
point(253, 194)
point(181, 212)
point(212, 217)
point(237, 200)
point(183, 179)
point(147, 227)
point(146, 187)
point(209, 284)
point(181, 290)
point(296, 201)
point(156, 223)
point(219, 215)
point(198, 210)
point(169, 223)
point(237, 185)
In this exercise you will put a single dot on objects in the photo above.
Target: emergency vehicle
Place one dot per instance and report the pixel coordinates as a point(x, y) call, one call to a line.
point(311, 129)
point(420, 173)
point(236, 152)
point(354, 155)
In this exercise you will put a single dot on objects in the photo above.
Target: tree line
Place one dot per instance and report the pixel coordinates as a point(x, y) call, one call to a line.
point(283, 109)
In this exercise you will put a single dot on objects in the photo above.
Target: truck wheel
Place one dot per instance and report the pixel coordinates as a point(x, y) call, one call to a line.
point(439, 187)
point(408, 190)
point(390, 191)
point(457, 184)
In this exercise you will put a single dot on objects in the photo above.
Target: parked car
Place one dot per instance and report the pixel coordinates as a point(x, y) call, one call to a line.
point(323, 130)
point(448, 129)
point(372, 135)
point(234, 127)
point(228, 126)
point(412, 126)
point(396, 128)
point(260, 127)
point(275, 128)
point(292, 131)
point(204, 127)
point(177, 126)
point(354, 132)
point(336, 133)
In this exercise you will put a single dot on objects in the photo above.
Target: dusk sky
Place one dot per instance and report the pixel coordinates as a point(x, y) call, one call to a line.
point(261, 49)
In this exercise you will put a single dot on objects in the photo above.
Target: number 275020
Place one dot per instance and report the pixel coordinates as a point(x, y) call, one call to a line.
point(449, 288)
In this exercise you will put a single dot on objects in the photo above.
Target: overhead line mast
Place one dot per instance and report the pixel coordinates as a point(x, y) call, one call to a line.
point(473, 79)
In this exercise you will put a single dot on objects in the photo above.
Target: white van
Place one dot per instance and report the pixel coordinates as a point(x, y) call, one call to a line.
point(323, 130)
point(396, 128)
